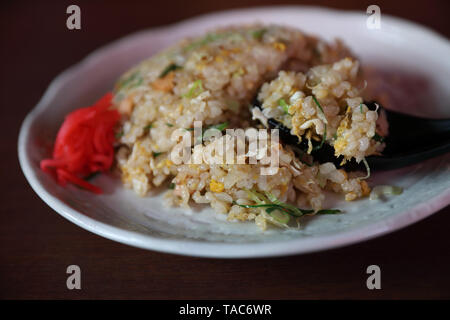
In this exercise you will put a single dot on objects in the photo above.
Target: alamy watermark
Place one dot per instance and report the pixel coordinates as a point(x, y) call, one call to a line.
point(73, 21)
point(373, 22)
point(74, 280)
point(374, 280)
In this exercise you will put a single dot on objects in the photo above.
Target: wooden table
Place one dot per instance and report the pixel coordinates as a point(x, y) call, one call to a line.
point(37, 244)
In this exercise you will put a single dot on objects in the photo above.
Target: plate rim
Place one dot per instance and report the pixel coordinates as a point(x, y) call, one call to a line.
point(191, 247)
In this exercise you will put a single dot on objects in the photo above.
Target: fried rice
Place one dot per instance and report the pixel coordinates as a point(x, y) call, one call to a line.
point(214, 79)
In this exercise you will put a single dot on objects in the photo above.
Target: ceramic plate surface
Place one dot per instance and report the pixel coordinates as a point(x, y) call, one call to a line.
point(122, 216)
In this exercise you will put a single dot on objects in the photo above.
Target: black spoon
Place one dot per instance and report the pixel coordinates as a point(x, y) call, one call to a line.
point(410, 140)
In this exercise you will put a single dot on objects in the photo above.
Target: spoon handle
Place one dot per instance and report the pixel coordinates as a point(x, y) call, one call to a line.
point(409, 134)
point(403, 125)
point(402, 160)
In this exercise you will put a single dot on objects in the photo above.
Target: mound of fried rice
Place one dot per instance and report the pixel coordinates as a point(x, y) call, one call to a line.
point(214, 79)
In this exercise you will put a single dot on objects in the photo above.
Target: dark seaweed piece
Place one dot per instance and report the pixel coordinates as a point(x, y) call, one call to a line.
point(171, 67)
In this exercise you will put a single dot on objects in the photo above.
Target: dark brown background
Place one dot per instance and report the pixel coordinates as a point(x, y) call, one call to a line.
point(36, 244)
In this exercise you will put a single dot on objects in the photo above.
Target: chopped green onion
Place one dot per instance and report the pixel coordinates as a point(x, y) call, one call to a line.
point(278, 210)
point(292, 209)
point(172, 186)
point(329, 211)
point(258, 34)
point(256, 196)
point(378, 138)
point(133, 80)
point(119, 134)
point(196, 86)
point(318, 104)
point(157, 154)
point(272, 203)
point(361, 107)
point(284, 105)
point(220, 126)
point(169, 125)
point(148, 127)
point(211, 37)
point(335, 136)
point(171, 67)
point(287, 208)
point(263, 205)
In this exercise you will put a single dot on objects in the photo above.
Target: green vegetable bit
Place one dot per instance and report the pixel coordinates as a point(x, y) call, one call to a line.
point(318, 104)
point(219, 126)
point(278, 209)
point(148, 127)
point(361, 108)
point(157, 154)
point(171, 67)
point(272, 206)
point(169, 125)
point(211, 37)
point(258, 34)
point(328, 211)
point(378, 138)
point(119, 134)
point(172, 186)
point(284, 105)
point(195, 90)
point(134, 80)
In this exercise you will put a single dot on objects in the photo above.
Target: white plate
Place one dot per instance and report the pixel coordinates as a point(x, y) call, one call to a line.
point(143, 222)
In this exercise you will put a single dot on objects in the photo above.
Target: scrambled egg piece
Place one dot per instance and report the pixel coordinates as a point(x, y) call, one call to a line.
point(216, 186)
